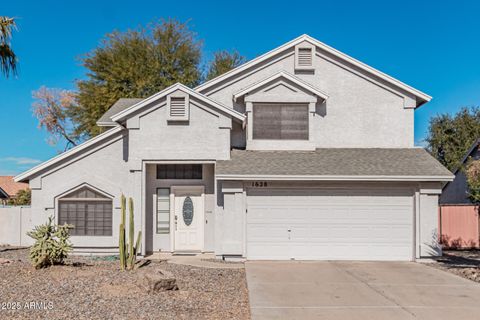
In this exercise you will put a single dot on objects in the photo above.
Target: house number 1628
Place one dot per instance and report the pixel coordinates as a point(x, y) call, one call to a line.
point(259, 184)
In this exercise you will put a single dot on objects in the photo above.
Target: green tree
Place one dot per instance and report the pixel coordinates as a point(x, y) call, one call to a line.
point(224, 61)
point(136, 63)
point(449, 137)
point(22, 198)
point(8, 59)
point(472, 172)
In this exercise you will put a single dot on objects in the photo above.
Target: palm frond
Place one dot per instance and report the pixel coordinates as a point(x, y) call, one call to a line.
point(7, 26)
point(8, 59)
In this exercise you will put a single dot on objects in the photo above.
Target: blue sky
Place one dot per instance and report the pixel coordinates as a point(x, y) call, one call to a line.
point(431, 45)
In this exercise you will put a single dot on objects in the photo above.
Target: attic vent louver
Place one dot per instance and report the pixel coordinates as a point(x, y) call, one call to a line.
point(305, 57)
point(178, 106)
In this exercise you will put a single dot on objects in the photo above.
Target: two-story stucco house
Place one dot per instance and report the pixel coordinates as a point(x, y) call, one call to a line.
point(302, 153)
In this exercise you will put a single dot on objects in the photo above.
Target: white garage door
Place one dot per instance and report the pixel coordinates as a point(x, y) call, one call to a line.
point(329, 224)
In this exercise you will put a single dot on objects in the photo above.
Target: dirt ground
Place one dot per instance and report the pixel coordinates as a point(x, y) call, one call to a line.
point(463, 263)
point(95, 288)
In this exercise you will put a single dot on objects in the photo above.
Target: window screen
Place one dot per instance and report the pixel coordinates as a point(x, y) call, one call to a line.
point(280, 121)
point(163, 210)
point(179, 171)
point(88, 211)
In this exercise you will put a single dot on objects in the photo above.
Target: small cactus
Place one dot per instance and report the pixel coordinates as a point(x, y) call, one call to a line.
point(128, 252)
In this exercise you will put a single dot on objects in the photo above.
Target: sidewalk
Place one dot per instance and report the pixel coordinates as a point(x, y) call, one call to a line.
point(203, 260)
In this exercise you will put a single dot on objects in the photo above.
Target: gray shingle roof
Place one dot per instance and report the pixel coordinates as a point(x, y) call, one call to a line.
point(120, 105)
point(334, 162)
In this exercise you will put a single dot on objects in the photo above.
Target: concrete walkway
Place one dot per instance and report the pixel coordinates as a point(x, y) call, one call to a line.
point(358, 290)
point(204, 260)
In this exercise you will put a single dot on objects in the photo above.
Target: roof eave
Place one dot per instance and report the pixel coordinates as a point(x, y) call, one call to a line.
point(107, 124)
point(29, 173)
point(281, 74)
point(178, 86)
point(417, 93)
point(335, 178)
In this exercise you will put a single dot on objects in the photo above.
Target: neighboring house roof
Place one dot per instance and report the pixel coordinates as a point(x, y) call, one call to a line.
point(101, 137)
point(119, 106)
point(457, 191)
point(475, 144)
point(421, 97)
point(9, 187)
point(3, 194)
point(178, 86)
point(285, 75)
point(409, 164)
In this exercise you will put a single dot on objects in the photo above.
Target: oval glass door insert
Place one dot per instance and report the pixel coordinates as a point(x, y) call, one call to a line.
point(187, 211)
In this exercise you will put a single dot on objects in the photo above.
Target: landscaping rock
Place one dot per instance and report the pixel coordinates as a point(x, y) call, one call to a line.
point(158, 280)
point(462, 263)
point(5, 261)
point(88, 288)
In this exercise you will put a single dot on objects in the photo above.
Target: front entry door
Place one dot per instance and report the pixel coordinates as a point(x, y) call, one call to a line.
point(189, 215)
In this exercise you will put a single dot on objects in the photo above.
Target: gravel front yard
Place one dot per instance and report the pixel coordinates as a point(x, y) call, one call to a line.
point(88, 288)
point(462, 263)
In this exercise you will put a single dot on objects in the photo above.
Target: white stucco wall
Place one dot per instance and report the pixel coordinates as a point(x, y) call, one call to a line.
point(359, 113)
point(116, 165)
point(205, 136)
point(429, 233)
point(103, 168)
point(161, 242)
point(15, 222)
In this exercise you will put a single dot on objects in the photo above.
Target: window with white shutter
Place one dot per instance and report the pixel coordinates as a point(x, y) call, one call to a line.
point(178, 107)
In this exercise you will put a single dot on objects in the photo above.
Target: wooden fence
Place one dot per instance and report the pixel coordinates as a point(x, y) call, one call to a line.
point(459, 226)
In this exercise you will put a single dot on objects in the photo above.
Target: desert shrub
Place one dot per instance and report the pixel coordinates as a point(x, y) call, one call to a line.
point(52, 244)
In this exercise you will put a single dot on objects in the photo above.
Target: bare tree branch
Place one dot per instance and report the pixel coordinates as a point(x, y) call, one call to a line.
point(51, 108)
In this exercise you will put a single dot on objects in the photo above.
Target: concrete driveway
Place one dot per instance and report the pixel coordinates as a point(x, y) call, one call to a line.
point(358, 290)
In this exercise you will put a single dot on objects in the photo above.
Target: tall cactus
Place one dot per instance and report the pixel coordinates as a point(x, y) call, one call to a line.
point(121, 245)
point(128, 251)
point(131, 232)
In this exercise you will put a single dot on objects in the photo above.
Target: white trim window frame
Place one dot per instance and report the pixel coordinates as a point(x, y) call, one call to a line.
point(163, 211)
point(86, 209)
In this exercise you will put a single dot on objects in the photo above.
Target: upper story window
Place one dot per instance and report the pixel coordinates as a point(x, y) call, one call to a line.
point(179, 171)
point(280, 121)
point(89, 211)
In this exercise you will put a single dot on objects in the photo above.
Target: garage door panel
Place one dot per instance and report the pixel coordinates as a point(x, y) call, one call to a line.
point(329, 224)
point(272, 233)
